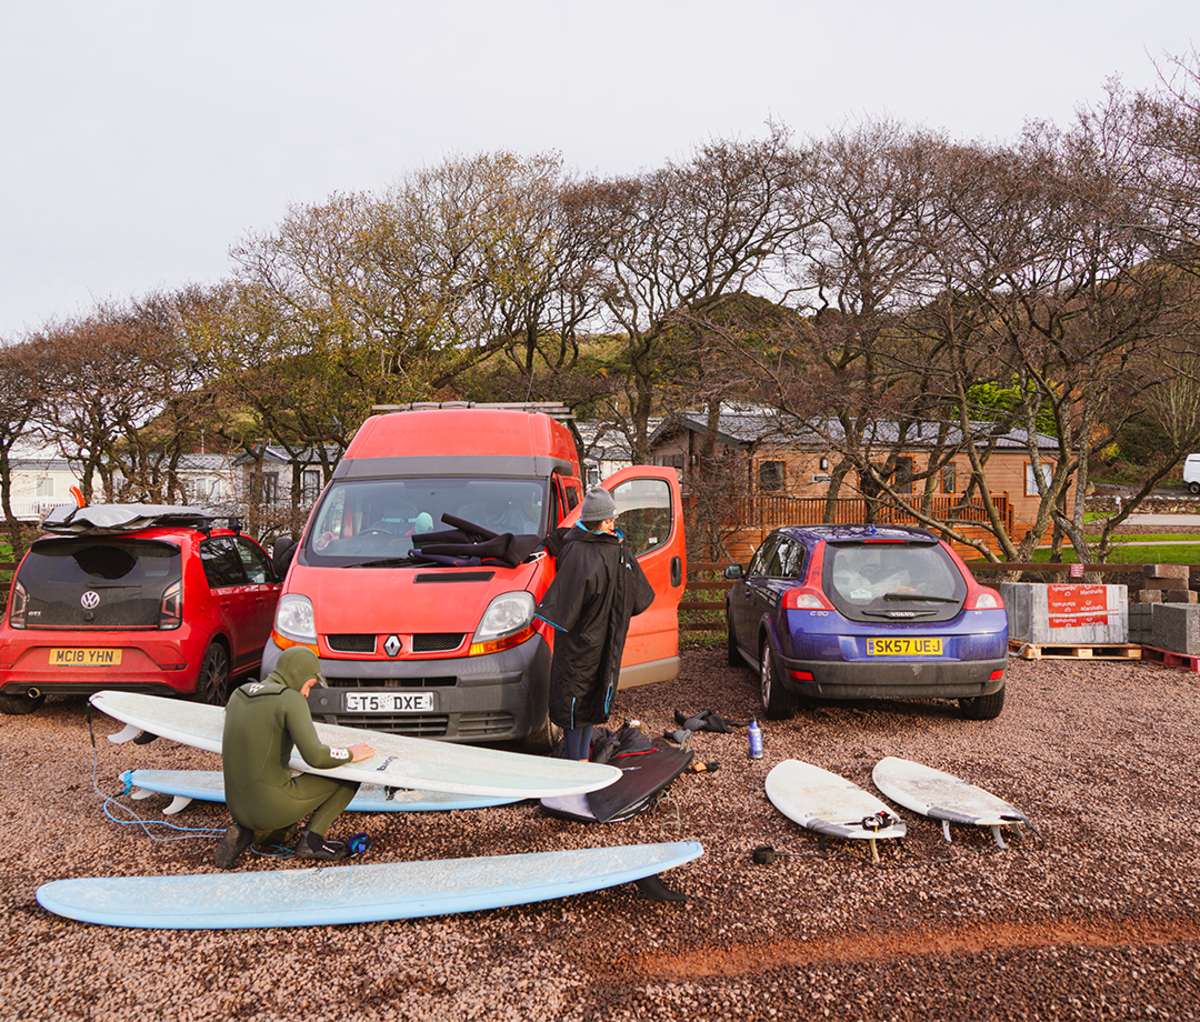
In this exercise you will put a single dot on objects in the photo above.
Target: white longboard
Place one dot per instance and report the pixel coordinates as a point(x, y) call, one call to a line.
point(942, 796)
point(399, 762)
point(829, 804)
point(184, 786)
point(355, 894)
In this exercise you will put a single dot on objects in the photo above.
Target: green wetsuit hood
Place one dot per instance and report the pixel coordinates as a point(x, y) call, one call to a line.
point(295, 667)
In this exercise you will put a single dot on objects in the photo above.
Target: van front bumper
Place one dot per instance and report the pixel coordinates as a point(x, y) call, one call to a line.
point(494, 697)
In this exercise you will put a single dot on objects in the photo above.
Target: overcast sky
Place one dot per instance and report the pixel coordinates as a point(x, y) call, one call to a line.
point(142, 138)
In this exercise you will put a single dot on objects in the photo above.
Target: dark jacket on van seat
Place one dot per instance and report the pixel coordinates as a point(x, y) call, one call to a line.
point(598, 587)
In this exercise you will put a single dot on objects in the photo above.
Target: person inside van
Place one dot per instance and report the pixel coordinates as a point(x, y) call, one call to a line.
point(597, 588)
point(263, 720)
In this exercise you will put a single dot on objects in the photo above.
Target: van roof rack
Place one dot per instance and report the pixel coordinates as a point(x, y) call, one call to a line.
point(555, 409)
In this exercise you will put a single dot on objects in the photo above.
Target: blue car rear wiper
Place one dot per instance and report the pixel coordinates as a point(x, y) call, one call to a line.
point(919, 596)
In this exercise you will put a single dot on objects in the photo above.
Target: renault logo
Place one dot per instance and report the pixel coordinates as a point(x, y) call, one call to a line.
point(392, 647)
point(90, 600)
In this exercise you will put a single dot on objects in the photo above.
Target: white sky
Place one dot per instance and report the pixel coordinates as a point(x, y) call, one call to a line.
point(140, 139)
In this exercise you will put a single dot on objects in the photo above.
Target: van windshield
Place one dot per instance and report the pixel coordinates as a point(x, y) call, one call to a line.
point(369, 519)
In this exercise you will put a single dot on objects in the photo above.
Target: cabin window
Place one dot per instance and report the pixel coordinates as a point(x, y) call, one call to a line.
point(772, 475)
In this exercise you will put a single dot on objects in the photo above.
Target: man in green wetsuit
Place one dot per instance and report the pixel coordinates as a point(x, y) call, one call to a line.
point(263, 720)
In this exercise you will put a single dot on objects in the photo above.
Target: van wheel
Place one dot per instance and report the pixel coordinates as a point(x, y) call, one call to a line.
point(21, 704)
point(982, 707)
point(778, 702)
point(212, 683)
point(1194, 488)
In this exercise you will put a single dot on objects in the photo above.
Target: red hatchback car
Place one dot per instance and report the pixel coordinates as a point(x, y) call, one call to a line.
point(150, 598)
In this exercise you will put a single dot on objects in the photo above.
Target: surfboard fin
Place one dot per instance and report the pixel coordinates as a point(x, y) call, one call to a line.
point(127, 734)
point(653, 888)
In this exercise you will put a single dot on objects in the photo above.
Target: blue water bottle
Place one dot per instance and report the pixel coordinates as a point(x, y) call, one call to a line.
point(756, 748)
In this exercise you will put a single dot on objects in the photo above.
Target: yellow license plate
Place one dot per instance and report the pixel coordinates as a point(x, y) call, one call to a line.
point(911, 646)
point(85, 657)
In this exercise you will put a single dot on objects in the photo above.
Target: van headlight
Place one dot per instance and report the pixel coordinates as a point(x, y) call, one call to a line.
point(294, 619)
point(507, 622)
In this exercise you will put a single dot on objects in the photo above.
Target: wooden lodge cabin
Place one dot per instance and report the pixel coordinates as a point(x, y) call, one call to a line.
point(779, 474)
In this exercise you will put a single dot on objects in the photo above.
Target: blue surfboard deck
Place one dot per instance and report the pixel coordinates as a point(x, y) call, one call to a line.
point(399, 761)
point(209, 786)
point(331, 895)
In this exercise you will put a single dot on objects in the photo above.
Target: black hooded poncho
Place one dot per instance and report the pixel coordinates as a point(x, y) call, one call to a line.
point(598, 587)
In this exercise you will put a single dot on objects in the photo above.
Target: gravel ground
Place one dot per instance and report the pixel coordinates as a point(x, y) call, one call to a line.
point(1094, 916)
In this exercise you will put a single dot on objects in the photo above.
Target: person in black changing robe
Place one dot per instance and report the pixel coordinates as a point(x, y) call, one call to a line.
point(597, 588)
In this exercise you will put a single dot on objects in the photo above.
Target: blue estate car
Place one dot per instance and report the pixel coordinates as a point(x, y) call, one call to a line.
point(866, 612)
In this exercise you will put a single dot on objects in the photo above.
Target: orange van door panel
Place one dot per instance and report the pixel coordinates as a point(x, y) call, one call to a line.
point(650, 515)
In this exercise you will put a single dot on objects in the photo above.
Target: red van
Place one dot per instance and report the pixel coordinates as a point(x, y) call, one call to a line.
point(420, 642)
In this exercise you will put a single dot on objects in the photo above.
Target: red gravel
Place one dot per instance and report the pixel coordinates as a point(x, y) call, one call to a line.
point(1093, 917)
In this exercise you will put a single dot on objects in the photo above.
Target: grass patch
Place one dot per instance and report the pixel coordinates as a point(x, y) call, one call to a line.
point(1135, 553)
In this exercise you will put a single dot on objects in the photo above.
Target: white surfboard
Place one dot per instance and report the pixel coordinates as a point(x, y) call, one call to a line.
point(399, 761)
point(184, 786)
point(329, 895)
point(829, 804)
point(942, 796)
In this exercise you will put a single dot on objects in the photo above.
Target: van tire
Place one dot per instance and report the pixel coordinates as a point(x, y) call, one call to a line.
point(1194, 488)
point(542, 741)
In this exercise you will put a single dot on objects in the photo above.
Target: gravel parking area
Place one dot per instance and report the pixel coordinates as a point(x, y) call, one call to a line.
point(1094, 916)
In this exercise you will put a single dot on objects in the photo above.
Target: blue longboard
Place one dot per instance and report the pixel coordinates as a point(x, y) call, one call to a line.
point(355, 894)
point(209, 786)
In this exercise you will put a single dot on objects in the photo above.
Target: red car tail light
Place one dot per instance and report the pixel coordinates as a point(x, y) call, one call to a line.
point(16, 611)
point(170, 611)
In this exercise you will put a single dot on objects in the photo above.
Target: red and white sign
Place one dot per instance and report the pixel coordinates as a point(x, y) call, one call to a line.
point(1074, 606)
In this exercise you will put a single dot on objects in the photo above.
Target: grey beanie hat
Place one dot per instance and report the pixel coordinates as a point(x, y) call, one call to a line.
point(598, 505)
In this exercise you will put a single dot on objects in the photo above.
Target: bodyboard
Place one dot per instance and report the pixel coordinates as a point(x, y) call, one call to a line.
point(399, 761)
point(828, 803)
point(332, 895)
point(643, 777)
point(209, 786)
point(941, 796)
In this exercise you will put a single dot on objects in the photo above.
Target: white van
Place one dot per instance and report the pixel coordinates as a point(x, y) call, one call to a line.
point(1191, 473)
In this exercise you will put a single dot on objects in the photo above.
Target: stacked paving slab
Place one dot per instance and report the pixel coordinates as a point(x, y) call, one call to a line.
point(1166, 612)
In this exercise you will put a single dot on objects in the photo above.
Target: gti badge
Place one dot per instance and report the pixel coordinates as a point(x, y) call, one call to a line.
point(392, 647)
point(90, 600)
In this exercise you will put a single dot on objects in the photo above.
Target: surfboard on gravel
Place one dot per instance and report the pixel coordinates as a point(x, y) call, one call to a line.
point(830, 805)
point(399, 761)
point(942, 796)
point(330, 895)
point(184, 786)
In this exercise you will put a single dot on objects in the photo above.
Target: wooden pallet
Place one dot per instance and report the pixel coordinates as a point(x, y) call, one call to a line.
point(1075, 650)
point(1168, 658)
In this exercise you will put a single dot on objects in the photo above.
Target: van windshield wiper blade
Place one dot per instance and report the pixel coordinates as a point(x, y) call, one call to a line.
point(383, 562)
point(918, 596)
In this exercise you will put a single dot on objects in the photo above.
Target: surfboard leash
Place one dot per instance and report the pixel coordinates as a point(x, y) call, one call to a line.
point(111, 800)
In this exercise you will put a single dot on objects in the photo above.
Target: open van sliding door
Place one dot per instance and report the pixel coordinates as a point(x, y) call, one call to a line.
point(650, 508)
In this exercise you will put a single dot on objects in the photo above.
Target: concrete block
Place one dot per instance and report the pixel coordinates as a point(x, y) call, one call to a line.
point(1047, 614)
point(1156, 571)
point(1180, 596)
point(1149, 596)
point(1176, 627)
point(1169, 584)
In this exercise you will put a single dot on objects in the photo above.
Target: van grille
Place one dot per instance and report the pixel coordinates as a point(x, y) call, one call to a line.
point(351, 643)
point(430, 725)
point(437, 642)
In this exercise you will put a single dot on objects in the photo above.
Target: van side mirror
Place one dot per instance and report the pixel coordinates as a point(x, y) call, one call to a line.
point(282, 552)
